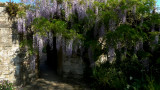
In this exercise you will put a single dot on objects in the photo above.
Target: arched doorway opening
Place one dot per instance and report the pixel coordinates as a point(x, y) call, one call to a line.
point(51, 60)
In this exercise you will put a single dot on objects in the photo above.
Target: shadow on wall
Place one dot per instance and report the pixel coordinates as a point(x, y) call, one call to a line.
point(25, 66)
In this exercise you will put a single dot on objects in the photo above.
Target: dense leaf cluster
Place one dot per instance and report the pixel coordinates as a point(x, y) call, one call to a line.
point(12, 9)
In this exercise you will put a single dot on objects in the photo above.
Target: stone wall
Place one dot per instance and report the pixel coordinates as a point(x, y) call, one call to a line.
point(9, 48)
point(15, 63)
point(73, 67)
point(70, 66)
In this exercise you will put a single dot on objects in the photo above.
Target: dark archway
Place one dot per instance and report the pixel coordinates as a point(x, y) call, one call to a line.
point(52, 55)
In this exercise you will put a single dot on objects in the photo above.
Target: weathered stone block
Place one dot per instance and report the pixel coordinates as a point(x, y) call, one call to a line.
point(74, 66)
point(9, 49)
point(2, 9)
point(3, 18)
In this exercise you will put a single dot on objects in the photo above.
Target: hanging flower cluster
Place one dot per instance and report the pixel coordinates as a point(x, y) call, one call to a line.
point(105, 15)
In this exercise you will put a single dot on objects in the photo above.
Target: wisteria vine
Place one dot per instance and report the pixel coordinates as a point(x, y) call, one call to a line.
point(102, 16)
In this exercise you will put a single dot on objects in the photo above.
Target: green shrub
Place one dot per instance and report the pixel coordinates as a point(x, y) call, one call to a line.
point(12, 9)
point(110, 78)
point(152, 84)
point(6, 85)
